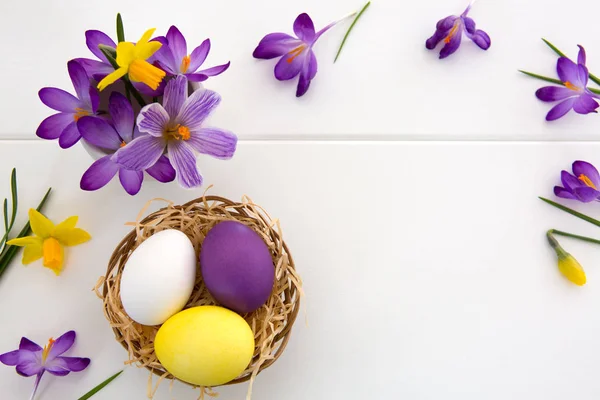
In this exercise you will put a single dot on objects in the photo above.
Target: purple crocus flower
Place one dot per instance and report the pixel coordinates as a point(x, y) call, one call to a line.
point(297, 56)
point(450, 30)
point(94, 68)
point(575, 96)
point(174, 59)
point(177, 127)
point(63, 126)
point(30, 359)
point(112, 137)
point(583, 185)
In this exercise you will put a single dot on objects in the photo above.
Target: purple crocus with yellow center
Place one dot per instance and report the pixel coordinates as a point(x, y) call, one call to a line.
point(450, 31)
point(582, 185)
point(174, 59)
point(63, 126)
point(297, 56)
point(97, 69)
point(177, 127)
point(575, 95)
point(30, 359)
point(111, 137)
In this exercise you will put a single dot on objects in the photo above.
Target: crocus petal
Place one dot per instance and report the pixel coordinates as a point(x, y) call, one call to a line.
point(560, 109)
point(197, 108)
point(99, 133)
point(554, 93)
point(275, 45)
point(586, 194)
point(588, 170)
point(199, 55)
point(166, 60)
point(290, 65)
point(581, 57)
point(309, 71)
point(453, 44)
point(214, 71)
point(11, 358)
point(93, 39)
point(583, 76)
point(122, 116)
point(29, 368)
point(304, 28)
point(176, 93)
point(563, 193)
point(95, 69)
point(54, 125)
point(568, 71)
point(196, 77)
point(142, 153)
point(99, 174)
point(443, 27)
point(27, 344)
point(569, 181)
point(177, 43)
point(585, 104)
point(215, 142)
point(184, 161)
point(131, 180)
point(59, 100)
point(69, 136)
point(81, 82)
point(153, 119)
point(61, 366)
point(148, 91)
point(62, 344)
point(162, 171)
point(481, 39)
point(40, 225)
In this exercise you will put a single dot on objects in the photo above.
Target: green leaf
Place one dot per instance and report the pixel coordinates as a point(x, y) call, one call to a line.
point(572, 212)
point(554, 48)
point(350, 30)
point(4, 238)
point(111, 55)
point(120, 30)
point(13, 190)
point(9, 251)
point(99, 387)
point(541, 77)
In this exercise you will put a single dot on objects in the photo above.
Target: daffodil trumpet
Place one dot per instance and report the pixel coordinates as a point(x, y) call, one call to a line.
point(567, 264)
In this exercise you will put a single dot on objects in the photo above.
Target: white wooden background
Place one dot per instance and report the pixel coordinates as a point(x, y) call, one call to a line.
point(425, 264)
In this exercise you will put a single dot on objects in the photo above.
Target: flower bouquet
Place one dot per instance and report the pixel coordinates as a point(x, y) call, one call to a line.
point(139, 107)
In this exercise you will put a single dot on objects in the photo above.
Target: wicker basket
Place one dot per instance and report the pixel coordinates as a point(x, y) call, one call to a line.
point(271, 323)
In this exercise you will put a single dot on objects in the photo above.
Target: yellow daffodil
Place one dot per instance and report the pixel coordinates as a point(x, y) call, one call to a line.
point(131, 59)
point(49, 240)
point(567, 264)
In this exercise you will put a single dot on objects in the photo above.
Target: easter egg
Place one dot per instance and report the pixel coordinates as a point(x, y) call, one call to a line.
point(205, 346)
point(237, 267)
point(159, 277)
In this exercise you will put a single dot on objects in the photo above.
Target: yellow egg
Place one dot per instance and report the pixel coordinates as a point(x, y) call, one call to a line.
point(205, 346)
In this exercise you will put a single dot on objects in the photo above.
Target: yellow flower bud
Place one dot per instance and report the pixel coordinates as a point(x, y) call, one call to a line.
point(571, 269)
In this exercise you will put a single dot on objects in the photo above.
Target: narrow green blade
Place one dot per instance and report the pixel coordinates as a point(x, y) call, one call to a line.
point(554, 48)
point(9, 251)
point(110, 54)
point(541, 77)
point(350, 30)
point(120, 30)
point(99, 387)
point(572, 212)
point(13, 190)
point(5, 236)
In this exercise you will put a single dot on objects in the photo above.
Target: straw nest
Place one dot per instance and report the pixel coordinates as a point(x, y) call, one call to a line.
point(271, 323)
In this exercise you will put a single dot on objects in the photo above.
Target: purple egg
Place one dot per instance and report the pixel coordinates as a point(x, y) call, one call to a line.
point(237, 267)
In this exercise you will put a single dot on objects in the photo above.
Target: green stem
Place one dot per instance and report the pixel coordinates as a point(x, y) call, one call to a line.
point(350, 30)
point(134, 92)
point(593, 77)
point(571, 235)
point(552, 80)
point(9, 251)
point(572, 212)
point(99, 387)
point(560, 252)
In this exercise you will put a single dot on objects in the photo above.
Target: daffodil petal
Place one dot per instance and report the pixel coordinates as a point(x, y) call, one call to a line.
point(40, 225)
point(125, 53)
point(72, 236)
point(146, 36)
point(68, 223)
point(32, 253)
point(111, 78)
point(25, 241)
point(146, 50)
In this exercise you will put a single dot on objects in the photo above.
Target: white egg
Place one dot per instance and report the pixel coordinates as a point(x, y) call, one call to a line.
point(159, 277)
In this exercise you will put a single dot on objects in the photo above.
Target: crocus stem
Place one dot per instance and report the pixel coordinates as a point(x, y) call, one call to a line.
point(552, 80)
point(134, 92)
point(350, 29)
point(593, 77)
point(571, 235)
point(38, 378)
point(572, 212)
